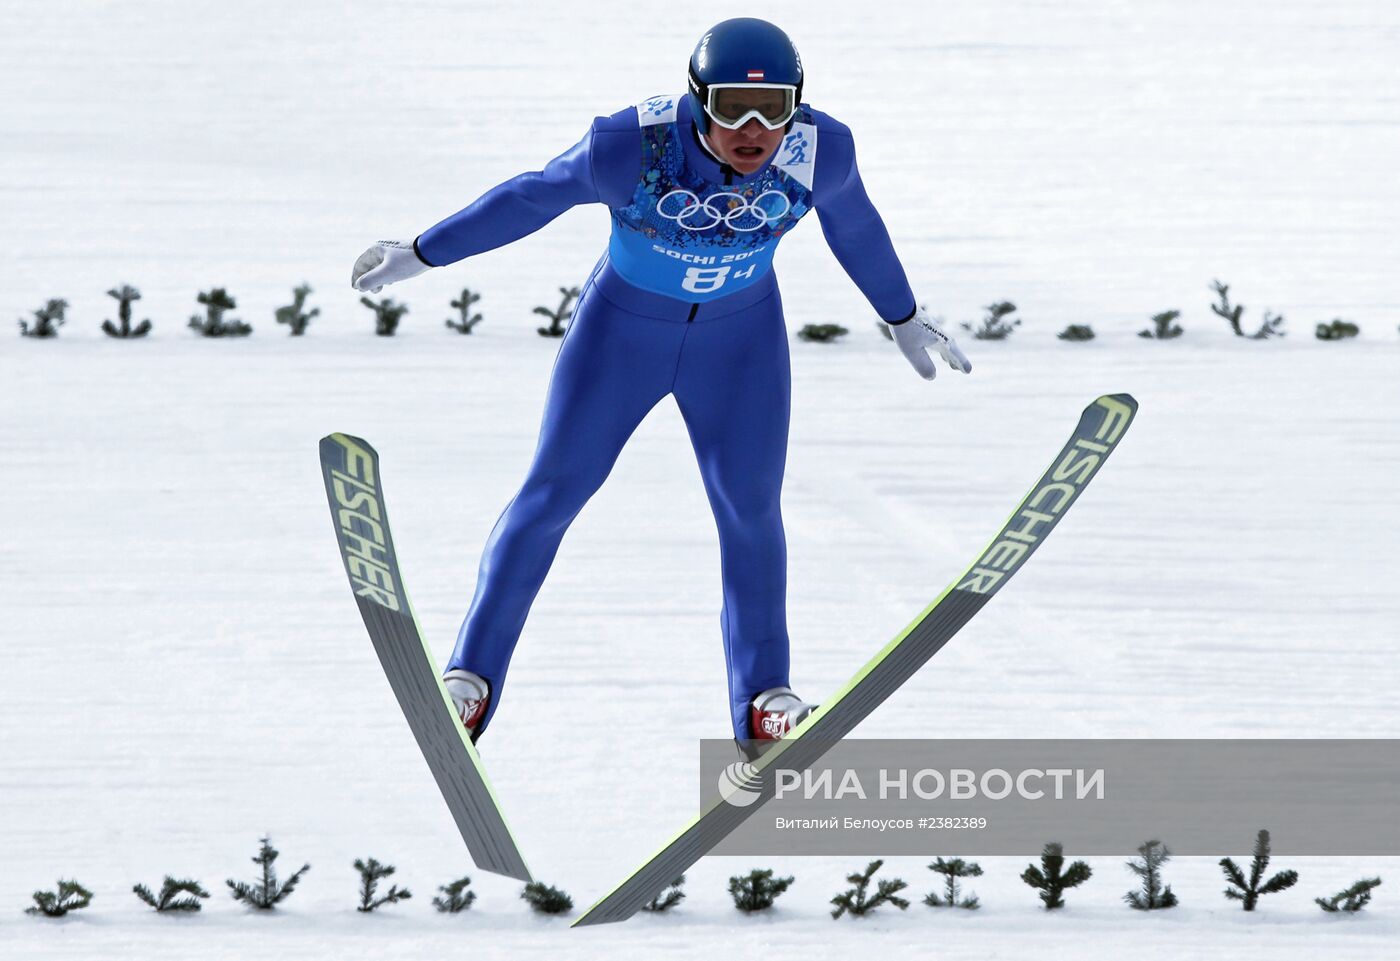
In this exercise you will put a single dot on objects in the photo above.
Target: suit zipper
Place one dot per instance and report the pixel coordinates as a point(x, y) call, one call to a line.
point(728, 182)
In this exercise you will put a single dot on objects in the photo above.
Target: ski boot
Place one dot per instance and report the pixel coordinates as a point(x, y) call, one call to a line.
point(470, 695)
point(772, 715)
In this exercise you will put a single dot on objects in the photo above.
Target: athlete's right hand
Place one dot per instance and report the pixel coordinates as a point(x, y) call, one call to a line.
point(387, 262)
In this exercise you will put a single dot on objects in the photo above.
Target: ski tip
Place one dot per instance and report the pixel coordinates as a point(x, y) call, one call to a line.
point(1112, 409)
point(1126, 399)
point(342, 438)
point(339, 446)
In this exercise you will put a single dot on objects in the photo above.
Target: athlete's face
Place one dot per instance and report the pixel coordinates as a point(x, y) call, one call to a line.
point(746, 149)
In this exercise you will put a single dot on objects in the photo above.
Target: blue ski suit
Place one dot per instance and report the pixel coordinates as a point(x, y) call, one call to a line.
point(683, 302)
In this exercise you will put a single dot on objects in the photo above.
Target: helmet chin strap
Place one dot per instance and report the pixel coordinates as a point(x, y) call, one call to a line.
point(705, 142)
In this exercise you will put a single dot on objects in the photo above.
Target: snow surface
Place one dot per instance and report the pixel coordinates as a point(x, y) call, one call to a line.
point(184, 670)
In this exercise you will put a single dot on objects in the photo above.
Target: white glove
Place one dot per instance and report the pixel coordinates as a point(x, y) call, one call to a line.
point(920, 332)
point(387, 262)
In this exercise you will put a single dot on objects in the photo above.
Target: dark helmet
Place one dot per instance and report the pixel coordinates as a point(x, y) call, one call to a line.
point(747, 52)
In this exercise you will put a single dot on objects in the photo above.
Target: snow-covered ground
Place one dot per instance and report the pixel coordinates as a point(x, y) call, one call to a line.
point(184, 670)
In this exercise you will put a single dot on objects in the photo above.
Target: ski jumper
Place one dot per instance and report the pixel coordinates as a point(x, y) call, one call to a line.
point(683, 302)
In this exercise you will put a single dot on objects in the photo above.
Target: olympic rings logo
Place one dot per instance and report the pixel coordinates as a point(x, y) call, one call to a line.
point(734, 210)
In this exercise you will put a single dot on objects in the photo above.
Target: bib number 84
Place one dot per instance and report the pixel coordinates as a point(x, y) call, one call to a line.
point(705, 280)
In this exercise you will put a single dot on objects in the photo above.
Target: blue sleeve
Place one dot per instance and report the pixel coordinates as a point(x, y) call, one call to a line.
point(600, 168)
point(852, 225)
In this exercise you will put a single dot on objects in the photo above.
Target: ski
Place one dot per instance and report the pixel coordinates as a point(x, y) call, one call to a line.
point(350, 468)
point(1100, 428)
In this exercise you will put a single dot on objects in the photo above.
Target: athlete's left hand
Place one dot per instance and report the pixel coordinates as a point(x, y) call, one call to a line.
point(920, 332)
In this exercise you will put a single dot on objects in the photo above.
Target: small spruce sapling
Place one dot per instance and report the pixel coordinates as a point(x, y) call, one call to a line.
point(387, 314)
point(757, 890)
point(70, 896)
point(1271, 327)
point(265, 893)
point(994, 325)
point(455, 897)
point(193, 892)
point(124, 296)
point(855, 900)
point(1249, 892)
point(47, 320)
point(466, 320)
point(371, 873)
point(1338, 329)
point(952, 870)
point(294, 315)
point(1052, 879)
point(1076, 332)
point(1224, 309)
point(822, 333)
point(1351, 900)
point(559, 315)
point(217, 302)
point(1164, 326)
point(1148, 867)
point(546, 899)
point(668, 898)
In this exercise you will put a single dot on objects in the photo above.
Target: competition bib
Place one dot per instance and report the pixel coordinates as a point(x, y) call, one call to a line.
point(686, 237)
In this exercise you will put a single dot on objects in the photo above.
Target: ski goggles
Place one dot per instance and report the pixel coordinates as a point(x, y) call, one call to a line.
point(731, 105)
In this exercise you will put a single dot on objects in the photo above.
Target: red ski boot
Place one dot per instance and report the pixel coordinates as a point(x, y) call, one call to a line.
point(470, 695)
point(775, 712)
